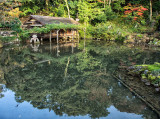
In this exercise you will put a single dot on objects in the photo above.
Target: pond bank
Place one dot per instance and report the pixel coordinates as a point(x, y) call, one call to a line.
point(145, 93)
point(141, 38)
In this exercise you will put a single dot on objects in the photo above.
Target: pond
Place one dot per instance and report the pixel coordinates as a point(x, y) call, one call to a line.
point(67, 82)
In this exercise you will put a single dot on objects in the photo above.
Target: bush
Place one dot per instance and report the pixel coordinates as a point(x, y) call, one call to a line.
point(106, 31)
point(7, 39)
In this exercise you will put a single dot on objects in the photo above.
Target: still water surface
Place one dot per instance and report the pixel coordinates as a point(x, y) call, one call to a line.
point(66, 82)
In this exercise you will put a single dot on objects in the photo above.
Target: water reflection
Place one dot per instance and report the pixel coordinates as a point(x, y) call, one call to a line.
point(75, 85)
point(55, 49)
point(35, 47)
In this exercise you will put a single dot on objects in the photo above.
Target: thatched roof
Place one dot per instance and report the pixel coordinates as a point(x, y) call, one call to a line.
point(50, 20)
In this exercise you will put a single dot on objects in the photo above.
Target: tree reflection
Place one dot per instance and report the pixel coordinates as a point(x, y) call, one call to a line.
point(87, 89)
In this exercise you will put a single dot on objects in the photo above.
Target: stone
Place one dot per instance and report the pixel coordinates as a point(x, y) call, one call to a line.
point(34, 39)
point(157, 89)
point(148, 83)
point(144, 80)
point(155, 85)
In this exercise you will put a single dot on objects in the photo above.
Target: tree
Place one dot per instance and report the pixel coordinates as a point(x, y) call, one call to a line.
point(151, 2)
point(67, 8)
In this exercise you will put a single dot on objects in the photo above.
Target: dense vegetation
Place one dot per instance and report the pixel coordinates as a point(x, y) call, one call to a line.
point(101, 19)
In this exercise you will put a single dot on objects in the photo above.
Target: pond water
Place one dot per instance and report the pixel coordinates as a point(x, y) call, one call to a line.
point(67, 82)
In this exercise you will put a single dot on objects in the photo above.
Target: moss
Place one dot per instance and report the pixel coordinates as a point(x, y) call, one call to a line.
point(143, 76)
point(151, 77)
point(152, 67)
point(149, 72)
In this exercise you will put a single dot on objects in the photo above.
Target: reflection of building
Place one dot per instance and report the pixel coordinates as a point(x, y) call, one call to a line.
point(39, 21)
point(58, 50)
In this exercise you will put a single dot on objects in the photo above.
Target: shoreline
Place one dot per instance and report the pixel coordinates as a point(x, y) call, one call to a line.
point(146, 93)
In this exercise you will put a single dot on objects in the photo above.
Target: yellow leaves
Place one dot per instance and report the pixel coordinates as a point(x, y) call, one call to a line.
point(15, 12)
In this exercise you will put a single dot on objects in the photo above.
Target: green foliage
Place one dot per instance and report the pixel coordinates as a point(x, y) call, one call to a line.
point(92, 13)
point(86, 60)
point(110, 15)
point(156, 5)
point(106, 31)
point(87, 12)
point(118, 6)
point(60, 11)
point(28, 10)
point(148, 72)
point(24, 35)
point(73, 8)
point(7, 39)
point(155, 42)
point(49, 27)
point(14, 24)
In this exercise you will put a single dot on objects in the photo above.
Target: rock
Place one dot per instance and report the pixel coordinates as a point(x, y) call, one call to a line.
point(131, 68)
point(146, 72)
point(144, 80)
point(157, 89)
point(129, 41)
point(155, 85)
point(148, 83)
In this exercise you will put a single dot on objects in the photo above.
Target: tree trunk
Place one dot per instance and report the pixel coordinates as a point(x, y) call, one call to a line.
point(150, 10)
point(109, 2)
point(67, 8)
point(84, 38)
point(47, 3)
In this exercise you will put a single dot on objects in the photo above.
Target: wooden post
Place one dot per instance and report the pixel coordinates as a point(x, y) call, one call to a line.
point(50, 47)
point(58, 50)
point(57, 35)
point(73, 42)
point(72, 35)
point(41, 40)
point(57, 43)
point(66, 36)
point(78, 36)
point(50, 39)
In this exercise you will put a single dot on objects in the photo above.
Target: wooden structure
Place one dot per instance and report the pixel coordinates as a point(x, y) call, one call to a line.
point(40, 21)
